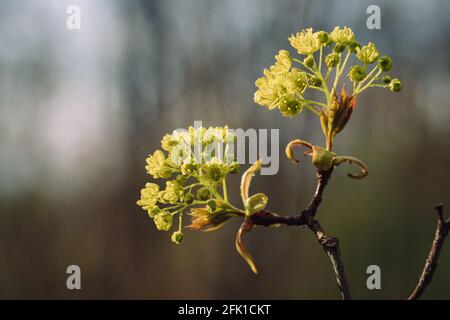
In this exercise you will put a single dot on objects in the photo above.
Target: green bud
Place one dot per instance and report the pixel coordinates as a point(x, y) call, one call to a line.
point(309, 61)
point(203, 194)
point(188, 169)
point(322, 158)
point(314, 81)
point(357, 73)
point(395, 85)
point(323, 37)
point(214, 172)
point(352, 47)
point(188, 198)
point(339, 48)
point(177, 237)
point(386, 79)
point(255, 203)
point(212, 205)
point(385, 63)
point(332, 60)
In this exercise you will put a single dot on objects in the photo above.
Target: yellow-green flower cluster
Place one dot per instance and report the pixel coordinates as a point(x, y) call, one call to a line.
point(324, 59)
point(282, 86)
point(194, 164)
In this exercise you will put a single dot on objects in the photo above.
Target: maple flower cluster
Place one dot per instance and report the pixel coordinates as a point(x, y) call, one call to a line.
point(285, 84)
point(194, 166)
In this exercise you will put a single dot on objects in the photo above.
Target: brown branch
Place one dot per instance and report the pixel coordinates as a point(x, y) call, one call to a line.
point(307, 217)
point(442, 230)
point(331, 245)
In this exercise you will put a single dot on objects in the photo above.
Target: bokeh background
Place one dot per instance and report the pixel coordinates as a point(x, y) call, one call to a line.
point(80, 111)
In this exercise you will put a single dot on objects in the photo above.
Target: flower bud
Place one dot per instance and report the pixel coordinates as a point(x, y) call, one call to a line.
point(309, 61)
point(214, 173)
point(339, 48)
point(212, 205)
point(322, 158)
point(357, 73)
point(385, 63)
point(332, 60)
point(203, 194)
point(314, 81)
point(188, 198)
point(395, 85)
point(255, 203)
point(323, 37)
point(386, 79)
point(188, 169)
point(177, 237)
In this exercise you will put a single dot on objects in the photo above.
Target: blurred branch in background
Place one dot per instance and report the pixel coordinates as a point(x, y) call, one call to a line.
point(442, 229)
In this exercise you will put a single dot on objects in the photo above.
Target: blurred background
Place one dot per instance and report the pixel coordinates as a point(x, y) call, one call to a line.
point(80, 111)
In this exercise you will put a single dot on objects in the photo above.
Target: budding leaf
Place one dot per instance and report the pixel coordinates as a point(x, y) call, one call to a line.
point(255, 203)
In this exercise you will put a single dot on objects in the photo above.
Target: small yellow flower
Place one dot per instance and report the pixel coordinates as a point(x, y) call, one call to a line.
point(172, 193)
point(283, 62)
point(269, 93)
point(367, 54)
point(149, 196)
point(167, 142)
point(344, 36)
point(306, 42)
point(163, 221)
point(156, 165)
point(280, 84)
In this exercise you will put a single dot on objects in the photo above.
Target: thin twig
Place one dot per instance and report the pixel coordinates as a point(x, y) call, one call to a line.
point(442, 230)
point(331, 247)
point(307, 217)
